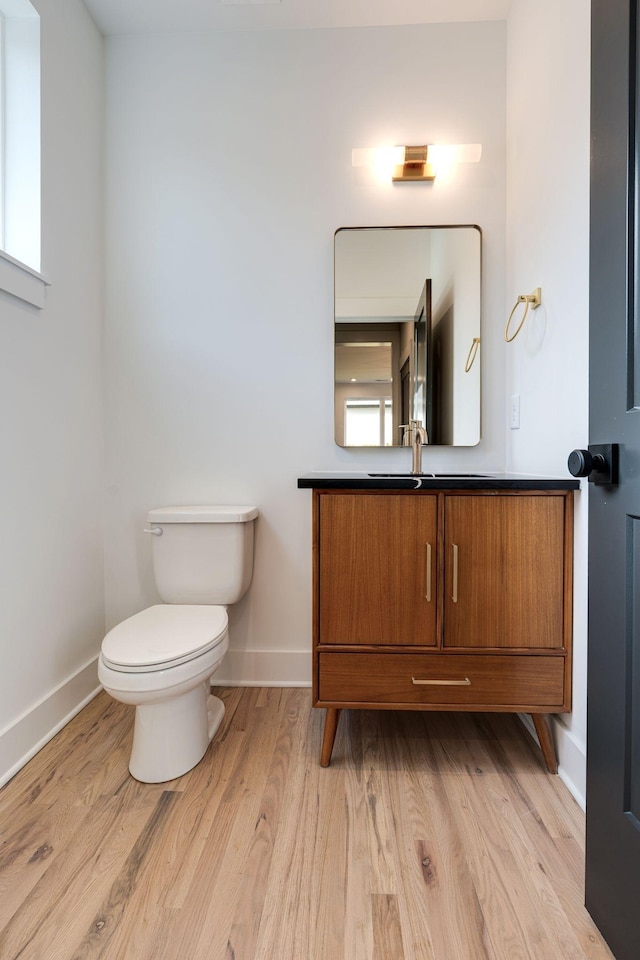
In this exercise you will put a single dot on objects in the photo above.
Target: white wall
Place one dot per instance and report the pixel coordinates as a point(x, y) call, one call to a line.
point(21, 137)
point(229, 169)
point(380, 273)
point(548, 85)
point(456, 304)
point(51, 562)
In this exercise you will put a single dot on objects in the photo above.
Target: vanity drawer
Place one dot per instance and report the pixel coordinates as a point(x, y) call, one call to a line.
point(487, 679)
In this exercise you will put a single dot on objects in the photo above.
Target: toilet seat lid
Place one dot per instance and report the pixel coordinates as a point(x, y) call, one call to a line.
point(164, 635)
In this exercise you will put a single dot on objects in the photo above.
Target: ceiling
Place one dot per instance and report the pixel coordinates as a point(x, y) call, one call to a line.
point(363, 363)
point(145, 16)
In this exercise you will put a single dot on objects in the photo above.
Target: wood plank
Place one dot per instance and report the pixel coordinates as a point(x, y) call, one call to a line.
point(206, 931)
point(83, 740)
point(248, 912)
point(291, 903)
point(547, 797)
point(387, 932)
point(357, 725)
point(107, 931)
point(507, 915)
point(444, 917)
point(29, 846)
point(67, 896)
point(379, 822)
point(430, 836)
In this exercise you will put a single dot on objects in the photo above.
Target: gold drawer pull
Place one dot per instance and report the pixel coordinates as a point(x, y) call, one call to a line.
point(454, 592)
point(443, 683)
point(428, 593)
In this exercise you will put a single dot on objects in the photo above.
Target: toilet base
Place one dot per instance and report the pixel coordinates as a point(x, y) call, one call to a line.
point(172, 736)
point(215, 713)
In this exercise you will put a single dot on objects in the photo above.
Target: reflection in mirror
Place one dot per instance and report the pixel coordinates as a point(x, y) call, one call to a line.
point(407, 312)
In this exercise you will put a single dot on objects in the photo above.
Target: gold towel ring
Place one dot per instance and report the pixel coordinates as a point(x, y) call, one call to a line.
point(471, 356)
point(531, 299)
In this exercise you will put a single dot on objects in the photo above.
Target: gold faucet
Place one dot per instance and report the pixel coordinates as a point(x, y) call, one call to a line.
point(415, 436)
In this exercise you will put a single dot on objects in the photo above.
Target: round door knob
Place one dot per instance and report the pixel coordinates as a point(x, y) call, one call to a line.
point(581, 463)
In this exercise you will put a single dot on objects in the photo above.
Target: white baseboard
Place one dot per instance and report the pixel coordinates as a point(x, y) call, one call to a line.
point(23, 737)
point(572, 757)
point(264, 668)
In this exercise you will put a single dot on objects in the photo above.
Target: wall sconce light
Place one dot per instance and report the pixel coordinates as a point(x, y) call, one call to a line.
point(415, 163)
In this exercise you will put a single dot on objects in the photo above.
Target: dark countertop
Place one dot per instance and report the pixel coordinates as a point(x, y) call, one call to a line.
point(429, 481)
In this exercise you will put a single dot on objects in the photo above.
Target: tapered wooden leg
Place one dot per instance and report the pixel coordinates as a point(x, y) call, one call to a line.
point(330, 727)
point(543, 729)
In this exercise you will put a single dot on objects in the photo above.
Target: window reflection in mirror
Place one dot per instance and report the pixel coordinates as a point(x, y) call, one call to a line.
point(407, 311)
point(367, 422)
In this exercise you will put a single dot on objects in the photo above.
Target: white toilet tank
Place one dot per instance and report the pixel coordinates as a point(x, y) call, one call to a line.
point(202, 554)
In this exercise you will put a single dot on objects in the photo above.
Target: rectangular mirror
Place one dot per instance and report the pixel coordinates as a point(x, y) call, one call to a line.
point(407, 334)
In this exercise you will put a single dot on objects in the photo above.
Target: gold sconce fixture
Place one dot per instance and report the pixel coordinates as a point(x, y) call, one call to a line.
point(422, 163)
point(532, 300)
point(415, 165)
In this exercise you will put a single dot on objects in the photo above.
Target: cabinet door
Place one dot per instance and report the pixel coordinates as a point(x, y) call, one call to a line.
point(504, 571)
point(377, 569)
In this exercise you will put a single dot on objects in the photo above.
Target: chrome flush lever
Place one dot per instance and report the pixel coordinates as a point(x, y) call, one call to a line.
point(156, 531)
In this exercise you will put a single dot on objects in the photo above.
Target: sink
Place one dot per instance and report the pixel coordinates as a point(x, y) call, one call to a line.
point(432, 476)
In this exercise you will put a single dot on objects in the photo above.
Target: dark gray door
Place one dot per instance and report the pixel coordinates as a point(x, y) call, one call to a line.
point(613, 730)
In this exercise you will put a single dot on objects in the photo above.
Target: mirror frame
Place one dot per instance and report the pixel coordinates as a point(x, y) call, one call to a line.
point(456, 359)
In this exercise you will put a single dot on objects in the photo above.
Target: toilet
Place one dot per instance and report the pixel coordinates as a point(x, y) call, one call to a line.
point(162, 659)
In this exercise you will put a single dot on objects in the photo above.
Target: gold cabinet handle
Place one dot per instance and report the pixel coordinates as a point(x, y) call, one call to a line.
point(428, 591)
point(454, 591)
point(442, 683)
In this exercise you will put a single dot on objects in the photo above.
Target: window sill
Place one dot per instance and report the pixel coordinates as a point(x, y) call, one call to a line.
point(21, 281)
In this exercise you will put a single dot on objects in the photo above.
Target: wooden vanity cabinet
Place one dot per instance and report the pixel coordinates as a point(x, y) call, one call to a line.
point(443, 601)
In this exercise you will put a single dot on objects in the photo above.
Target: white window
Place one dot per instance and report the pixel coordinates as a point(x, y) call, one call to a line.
point(20, 151)
point(368, 422)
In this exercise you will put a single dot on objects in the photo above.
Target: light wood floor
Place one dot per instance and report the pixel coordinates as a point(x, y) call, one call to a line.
point(430, 837)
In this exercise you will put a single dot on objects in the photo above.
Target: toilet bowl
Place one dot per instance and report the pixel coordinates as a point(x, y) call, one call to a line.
point(161, 660)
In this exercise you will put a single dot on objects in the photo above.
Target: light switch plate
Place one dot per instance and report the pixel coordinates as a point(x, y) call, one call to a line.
point(515, 412)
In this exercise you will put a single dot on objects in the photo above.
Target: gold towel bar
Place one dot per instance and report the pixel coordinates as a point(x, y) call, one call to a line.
point(531, 300)
point(471, 356)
